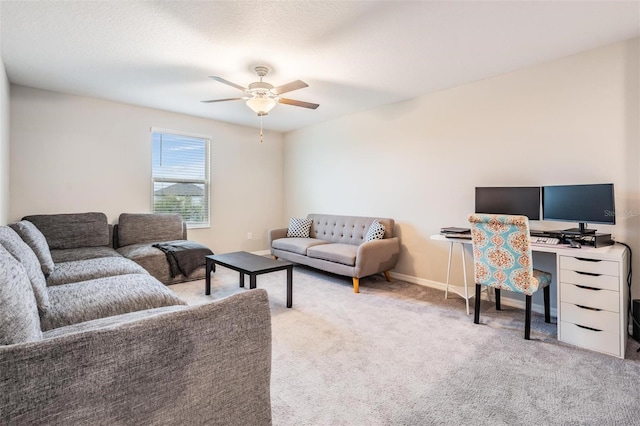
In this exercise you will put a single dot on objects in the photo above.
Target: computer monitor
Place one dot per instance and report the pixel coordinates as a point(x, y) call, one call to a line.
point(579, 203)
point(512, 200)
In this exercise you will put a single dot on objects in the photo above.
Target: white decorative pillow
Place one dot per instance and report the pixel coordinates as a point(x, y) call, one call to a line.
point(299, 227)
point(375, 232)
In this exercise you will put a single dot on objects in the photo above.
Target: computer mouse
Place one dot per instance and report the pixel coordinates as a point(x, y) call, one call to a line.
point(574, 244)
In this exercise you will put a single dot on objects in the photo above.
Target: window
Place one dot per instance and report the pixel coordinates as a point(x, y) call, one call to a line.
point(180, 174)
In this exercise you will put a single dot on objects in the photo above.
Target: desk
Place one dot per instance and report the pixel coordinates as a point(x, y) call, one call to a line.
point(592, 293)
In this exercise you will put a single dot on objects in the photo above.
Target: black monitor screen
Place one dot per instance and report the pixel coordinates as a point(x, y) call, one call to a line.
point(579, 203)
point(513, 200)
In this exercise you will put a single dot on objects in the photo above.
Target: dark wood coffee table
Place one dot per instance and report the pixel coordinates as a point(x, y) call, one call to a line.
point(250, 264)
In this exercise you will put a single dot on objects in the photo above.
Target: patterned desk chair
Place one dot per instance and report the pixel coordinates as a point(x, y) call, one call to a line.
point(502, 259)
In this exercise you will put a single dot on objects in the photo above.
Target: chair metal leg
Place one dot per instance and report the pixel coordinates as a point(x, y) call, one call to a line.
point(464, 273)
point(476, 311)
point(547, 304)
point(527, 319)
point(497, 294)
point(446, 289)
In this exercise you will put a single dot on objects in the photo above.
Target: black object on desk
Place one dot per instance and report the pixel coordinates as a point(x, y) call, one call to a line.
point(454, 230)
point(574, 244)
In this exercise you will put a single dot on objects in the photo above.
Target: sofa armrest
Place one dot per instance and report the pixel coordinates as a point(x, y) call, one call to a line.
point(275, 234)
point(377, 256)
point(195, 366)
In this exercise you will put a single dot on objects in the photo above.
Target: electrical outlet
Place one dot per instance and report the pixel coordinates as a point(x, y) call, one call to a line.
point(249, 236)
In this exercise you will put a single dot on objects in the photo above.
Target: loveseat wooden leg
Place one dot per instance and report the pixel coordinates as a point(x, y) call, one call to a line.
point(275, 257)
point(387, 276)
point(356, 285)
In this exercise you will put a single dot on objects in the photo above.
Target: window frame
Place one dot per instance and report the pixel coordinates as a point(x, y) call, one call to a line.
point(207, 173)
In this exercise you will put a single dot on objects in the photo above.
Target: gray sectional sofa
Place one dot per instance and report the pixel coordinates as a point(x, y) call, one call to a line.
point(82, 236)
point(337, 244)
point(107, 343)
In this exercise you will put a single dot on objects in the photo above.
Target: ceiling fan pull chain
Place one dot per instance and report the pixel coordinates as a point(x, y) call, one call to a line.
point(261, 140)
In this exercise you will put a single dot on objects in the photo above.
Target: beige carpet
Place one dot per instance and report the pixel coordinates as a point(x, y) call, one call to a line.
point(399, 354)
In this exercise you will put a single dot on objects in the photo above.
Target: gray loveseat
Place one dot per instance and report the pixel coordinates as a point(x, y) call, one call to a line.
point(122, 349)
point(337, 244)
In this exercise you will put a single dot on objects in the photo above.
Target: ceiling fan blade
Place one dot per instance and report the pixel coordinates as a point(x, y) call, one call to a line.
point(221, 100)
point(294, 85)
point(298, 103)
point(227, 82)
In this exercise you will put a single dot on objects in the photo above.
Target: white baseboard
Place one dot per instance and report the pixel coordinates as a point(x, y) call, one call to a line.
point(442, 286)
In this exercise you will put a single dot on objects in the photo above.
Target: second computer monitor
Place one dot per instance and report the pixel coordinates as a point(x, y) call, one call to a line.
point(512, 200)
point(592, 203)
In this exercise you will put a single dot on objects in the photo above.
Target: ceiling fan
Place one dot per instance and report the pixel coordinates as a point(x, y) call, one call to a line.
point(261, 96)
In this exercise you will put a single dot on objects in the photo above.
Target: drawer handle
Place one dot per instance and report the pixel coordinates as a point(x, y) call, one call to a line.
point(586, 307)
point(588, 328)
point(587, 288)
point(587, 260)
point(591, 274)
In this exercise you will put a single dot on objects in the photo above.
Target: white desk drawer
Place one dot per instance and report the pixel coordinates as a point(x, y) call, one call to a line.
point(601, 341)
point(600, 320)
point(605, 267)
point(607, 282)
point(591, 298)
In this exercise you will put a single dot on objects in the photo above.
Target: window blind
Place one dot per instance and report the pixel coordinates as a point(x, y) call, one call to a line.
point(180, 174)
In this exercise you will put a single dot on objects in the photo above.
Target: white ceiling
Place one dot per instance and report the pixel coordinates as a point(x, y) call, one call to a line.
point(355, 55)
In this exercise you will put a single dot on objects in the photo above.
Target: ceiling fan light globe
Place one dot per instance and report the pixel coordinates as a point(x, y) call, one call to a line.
point(261, 105)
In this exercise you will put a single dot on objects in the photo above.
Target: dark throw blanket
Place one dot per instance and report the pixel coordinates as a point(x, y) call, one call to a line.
point(184, 257)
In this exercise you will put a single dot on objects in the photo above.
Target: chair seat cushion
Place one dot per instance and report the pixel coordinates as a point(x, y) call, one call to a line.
point(336, 252)
point(297, 245)
point(543, 278)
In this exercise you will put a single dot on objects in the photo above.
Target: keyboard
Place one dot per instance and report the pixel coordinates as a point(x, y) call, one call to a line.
point(544, 240)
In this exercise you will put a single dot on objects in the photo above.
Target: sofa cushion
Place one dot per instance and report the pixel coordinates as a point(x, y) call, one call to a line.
point(299, 228)
point(297, 245)
point(375, 232)
point(135, 228)
point(114, 321)
point(23, 254)
point(149, 257)
point(336, 252)
point(38, 243)
point(19, 322)
point(89, 269)
point(83, 253)
point(104, 297)
point(72, 230)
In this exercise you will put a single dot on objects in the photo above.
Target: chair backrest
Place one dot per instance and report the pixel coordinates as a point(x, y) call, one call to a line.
point(502, 252)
